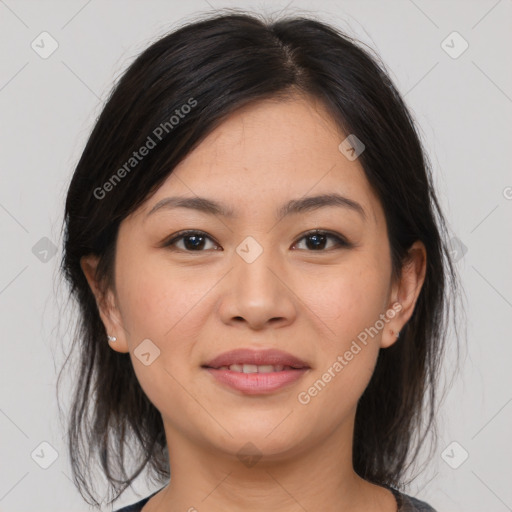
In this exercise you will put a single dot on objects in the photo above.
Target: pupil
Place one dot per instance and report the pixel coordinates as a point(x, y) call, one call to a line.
point(197, 244)
point(318, 240)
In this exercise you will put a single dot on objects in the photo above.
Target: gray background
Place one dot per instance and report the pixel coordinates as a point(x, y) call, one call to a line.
point(463, 107)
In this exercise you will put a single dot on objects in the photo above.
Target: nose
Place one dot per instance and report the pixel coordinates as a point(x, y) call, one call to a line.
point(258, 293)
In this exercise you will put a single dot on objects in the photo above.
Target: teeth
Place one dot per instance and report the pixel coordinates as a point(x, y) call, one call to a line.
point(252, 368)
point(266, 368)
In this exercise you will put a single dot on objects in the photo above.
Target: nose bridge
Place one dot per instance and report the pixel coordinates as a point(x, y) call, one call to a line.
point(256, 265)
point(257, 294)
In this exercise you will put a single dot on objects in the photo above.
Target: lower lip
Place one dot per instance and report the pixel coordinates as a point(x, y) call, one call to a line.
point(257, 383)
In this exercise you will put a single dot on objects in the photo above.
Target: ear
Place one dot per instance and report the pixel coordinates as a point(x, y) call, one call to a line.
point(405, 292)
point(105, 300)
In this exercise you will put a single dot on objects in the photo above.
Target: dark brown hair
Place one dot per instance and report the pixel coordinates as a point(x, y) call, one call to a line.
point(219, 64)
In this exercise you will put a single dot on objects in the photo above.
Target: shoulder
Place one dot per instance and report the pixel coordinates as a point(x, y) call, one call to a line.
point(414, 505)
point(136, 507)
point(407, 503)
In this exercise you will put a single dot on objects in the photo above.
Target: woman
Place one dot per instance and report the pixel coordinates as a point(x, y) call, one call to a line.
point(259, 258)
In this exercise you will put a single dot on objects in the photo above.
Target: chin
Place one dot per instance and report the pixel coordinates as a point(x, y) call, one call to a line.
point(259, 441)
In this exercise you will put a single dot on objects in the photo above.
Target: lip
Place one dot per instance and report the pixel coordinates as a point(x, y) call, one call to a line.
point(257, 357)
point(256, 383)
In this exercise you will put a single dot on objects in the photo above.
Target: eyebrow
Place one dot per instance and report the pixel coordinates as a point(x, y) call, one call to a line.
point(295, 206)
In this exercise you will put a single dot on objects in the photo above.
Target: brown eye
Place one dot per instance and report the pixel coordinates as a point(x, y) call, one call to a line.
point(193, 241)
point(197, 241)
point(317, 240)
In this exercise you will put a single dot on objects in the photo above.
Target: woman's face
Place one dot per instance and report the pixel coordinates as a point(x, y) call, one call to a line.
point(258, 281)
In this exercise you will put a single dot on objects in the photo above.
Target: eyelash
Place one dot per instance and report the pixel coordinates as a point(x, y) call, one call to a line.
point(340, 241)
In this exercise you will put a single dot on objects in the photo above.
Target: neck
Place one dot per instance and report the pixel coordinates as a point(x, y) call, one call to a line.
point(320, 477)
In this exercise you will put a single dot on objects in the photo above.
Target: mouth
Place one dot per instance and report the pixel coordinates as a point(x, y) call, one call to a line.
point(254, 368)
point(256, 371)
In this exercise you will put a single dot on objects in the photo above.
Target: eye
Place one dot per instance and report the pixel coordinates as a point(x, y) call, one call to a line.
point(317, 240)
point(197, 241)
point(193, 240)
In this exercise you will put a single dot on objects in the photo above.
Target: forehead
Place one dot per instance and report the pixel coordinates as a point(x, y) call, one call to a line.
point(273, 132)
point(267, 152)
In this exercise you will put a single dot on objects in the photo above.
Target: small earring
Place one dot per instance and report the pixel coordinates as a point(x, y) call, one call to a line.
point(112, 338)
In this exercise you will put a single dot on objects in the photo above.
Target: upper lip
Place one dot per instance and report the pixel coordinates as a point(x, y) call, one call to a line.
point(257, 357)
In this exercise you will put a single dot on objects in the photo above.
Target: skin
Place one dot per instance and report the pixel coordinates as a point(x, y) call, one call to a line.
point(311, 303)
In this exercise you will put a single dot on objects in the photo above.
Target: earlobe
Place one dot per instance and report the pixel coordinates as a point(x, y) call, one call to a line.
point(405, 292)
point(106, 304)
point(391, 331)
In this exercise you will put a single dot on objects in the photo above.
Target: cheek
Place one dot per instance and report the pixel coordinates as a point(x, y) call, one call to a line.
point(349, 301)
point(150, 292)
point(349, 307)
point(163, 305)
